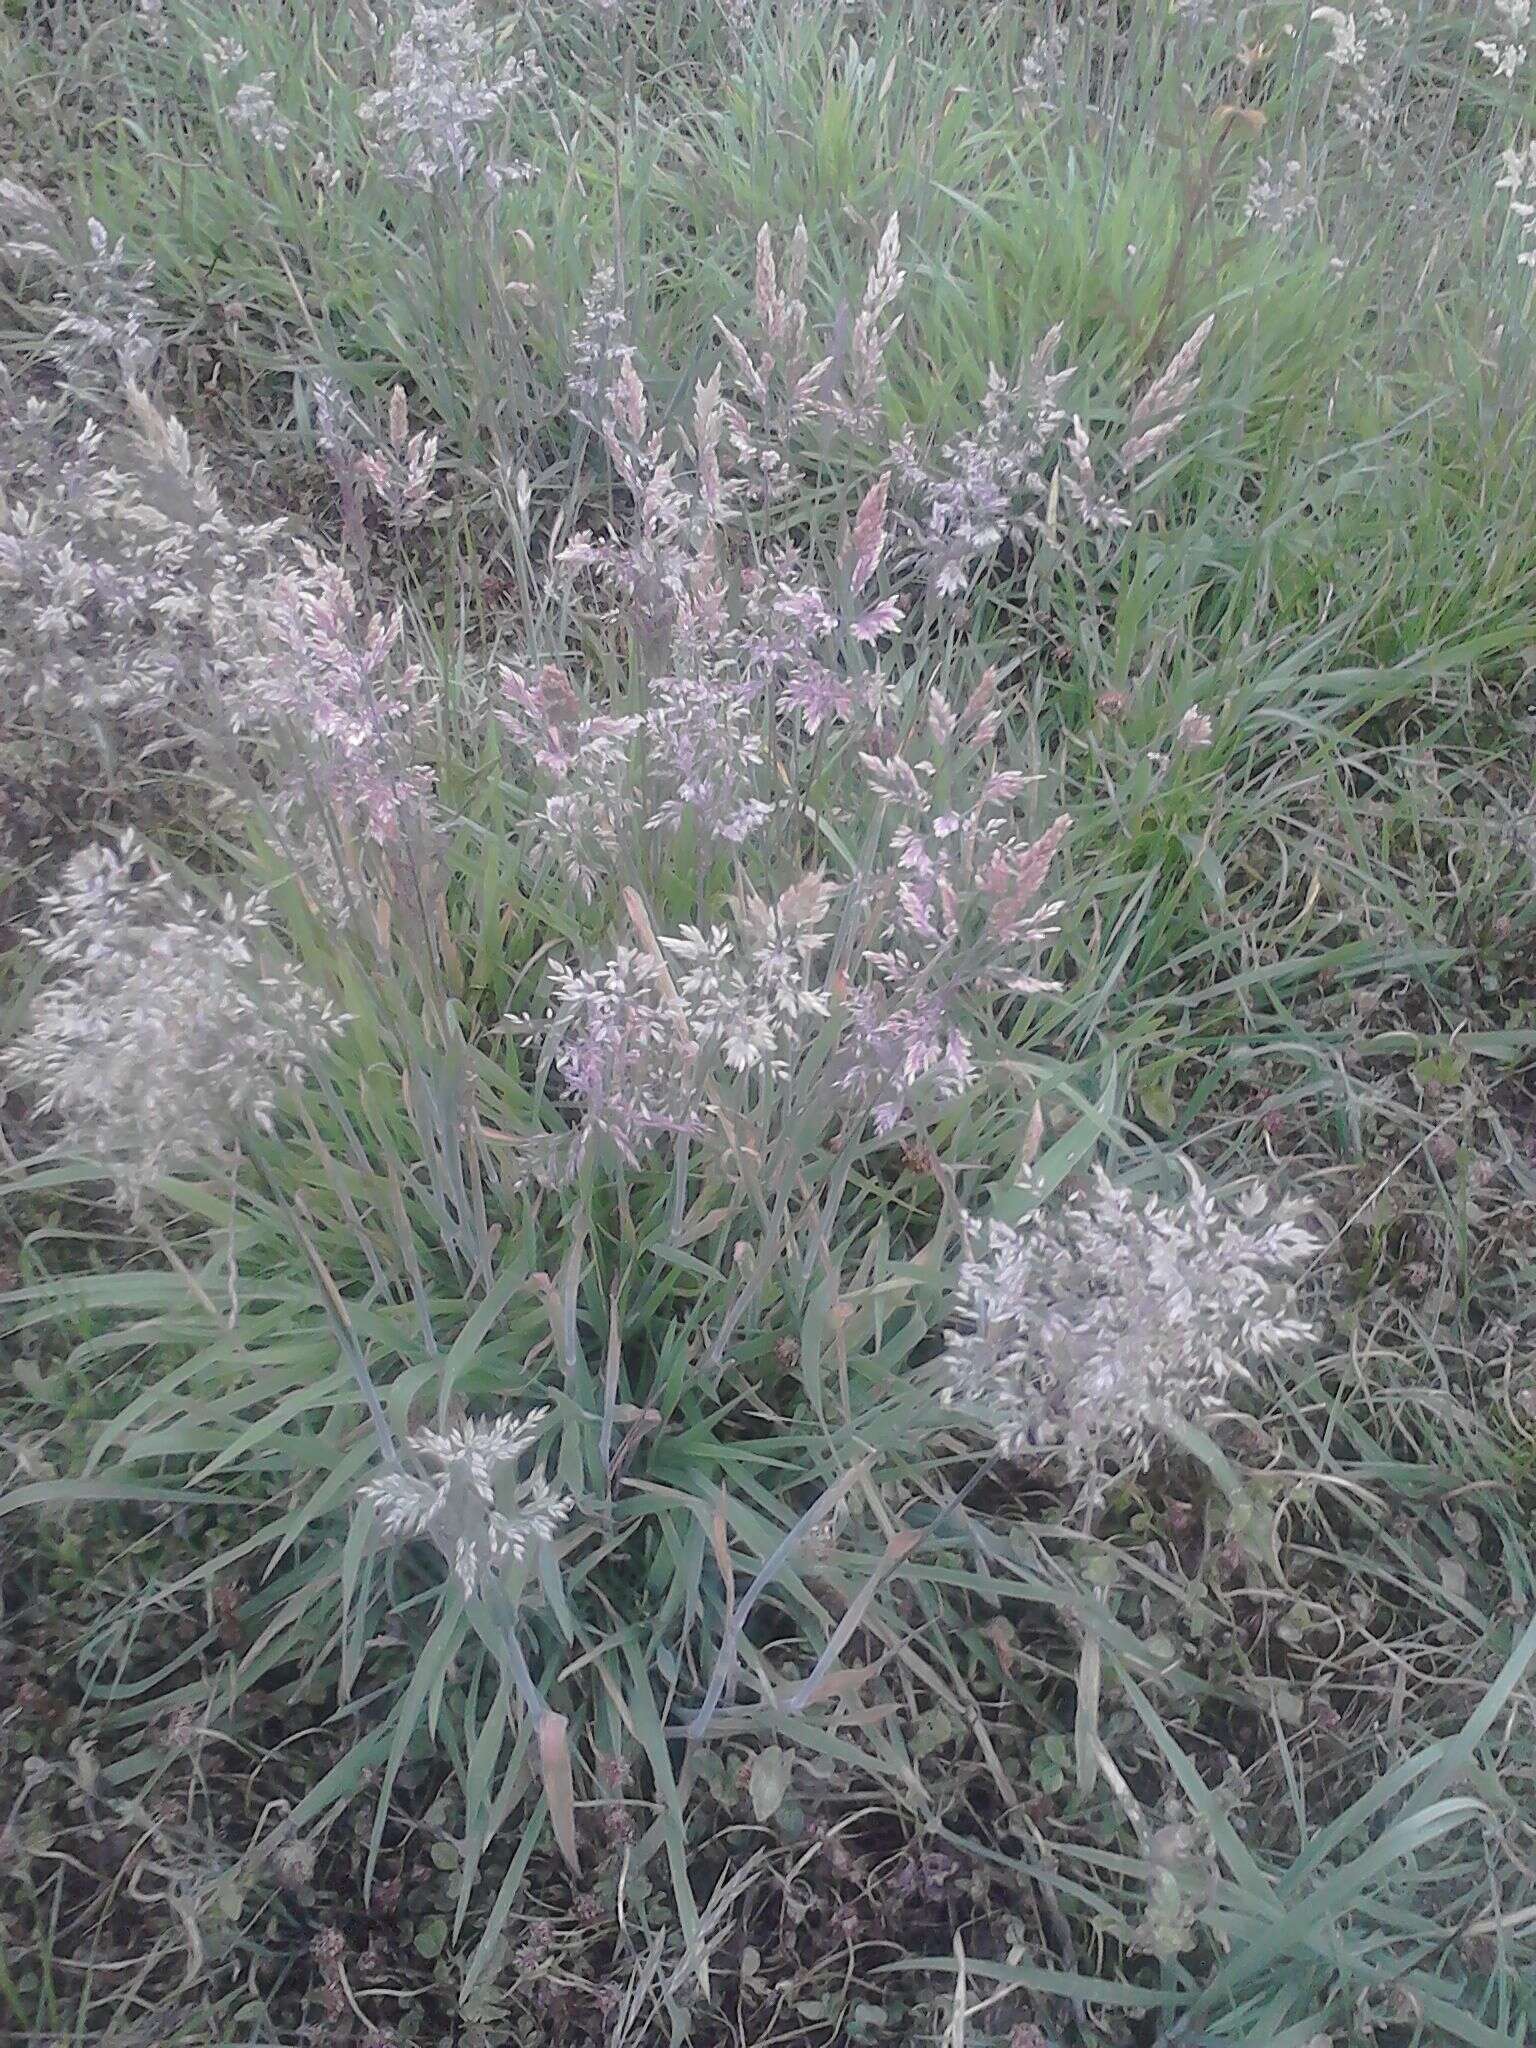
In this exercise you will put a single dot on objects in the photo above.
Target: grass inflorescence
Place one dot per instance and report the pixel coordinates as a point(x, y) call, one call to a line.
point(766, 846)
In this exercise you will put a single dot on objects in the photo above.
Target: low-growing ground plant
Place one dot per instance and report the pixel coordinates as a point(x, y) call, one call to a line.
point(768, 1132)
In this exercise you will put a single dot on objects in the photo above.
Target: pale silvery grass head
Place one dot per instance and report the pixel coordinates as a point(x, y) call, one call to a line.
point(1506, 50)
point(168, 1025)
point(130, 593)
point(1518, 179)
point(107, 325)
point(470, 1500)
point(254, 112)
point(1096, 1327)
point(1364, 49)
point(447, 82)
point(1278, 197)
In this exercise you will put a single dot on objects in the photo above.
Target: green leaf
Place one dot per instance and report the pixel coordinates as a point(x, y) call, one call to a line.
point(769, 1781)
point(431, 1937)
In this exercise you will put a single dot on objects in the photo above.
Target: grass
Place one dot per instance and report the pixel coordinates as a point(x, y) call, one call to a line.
point(862, 1737)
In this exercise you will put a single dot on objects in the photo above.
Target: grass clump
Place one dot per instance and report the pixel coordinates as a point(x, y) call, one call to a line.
point(770, 1282)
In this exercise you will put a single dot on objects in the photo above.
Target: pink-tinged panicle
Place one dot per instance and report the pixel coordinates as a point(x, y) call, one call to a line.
point(640, 1040)
point(886, 277)
point(339, 685)
point(781, 310)
point(776, 382)
point(544, 714)
point(396, 467)
point(983, 712)
point(1012, 880)
point(708, 430)
point(628, 401)
point(866, 544)
point(1161, 409)
point(964, 887)
point(799, 260)
point(624, 1055)
point(864, 363)
point(788, 641)
point(877, 622)
point(589, 806)
point(898, 1053)
point(766, 285)
point(401, 478)
point(754, 385)
point(786, 383)
point(704, 750)
point(893, 780)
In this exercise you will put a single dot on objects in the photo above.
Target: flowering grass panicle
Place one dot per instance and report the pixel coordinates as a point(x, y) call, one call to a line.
point(1364, 47)
point(747, 991)
point(588, 807)
point(447, 82)
point(667, 555)
point(899, 1052)
point(108, 324)
point(225, 55)
point(977, 491)
point(1506, 50)
point(858, 399)
point(395, 467)
point(1518, 179)
point(130, 592)
point(1092, 1329)
point(1162, 408)
point(640, 1039)
point(715, 642)
point(253, 111)
point(470, 1502)
point(988, 488)
point(1278, 197)
point(347, 703)
point(600, 350)
point(644, 1039)
point(964, 882)
point(693, 761)
point(167, 1025)
point(619, 1041)
point(707, 758)
point(787, 383)
point(1042, 69)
